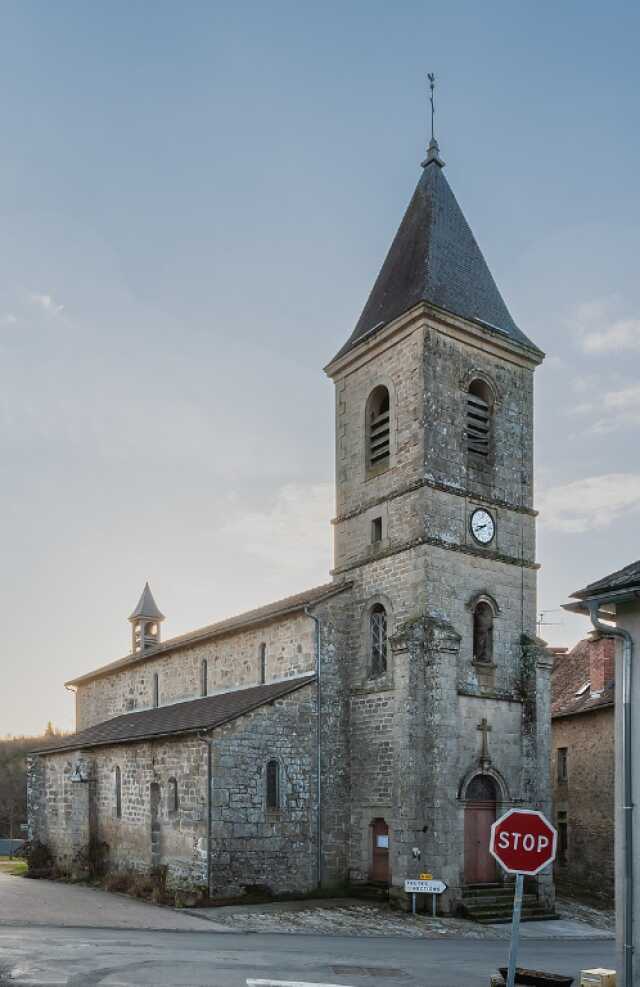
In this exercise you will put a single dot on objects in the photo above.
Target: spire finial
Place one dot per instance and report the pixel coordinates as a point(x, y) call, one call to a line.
point(433, 151)
point(432, 85)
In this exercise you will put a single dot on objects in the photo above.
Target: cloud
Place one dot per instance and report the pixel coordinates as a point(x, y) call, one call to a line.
point(622, 335)
point(46, 303)
point(292, 531)
point(602, 327)
point(9, 319)
point(613, 410)
point(593, 503)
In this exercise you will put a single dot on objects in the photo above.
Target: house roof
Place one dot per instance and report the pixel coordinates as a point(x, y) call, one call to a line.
point(261, 615)
point(571, 682)
point(147, 606)
point(620, 580)
point(434, 258)
point(179, 718)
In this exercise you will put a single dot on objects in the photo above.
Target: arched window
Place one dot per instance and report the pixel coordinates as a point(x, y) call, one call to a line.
point(273, 785)
point(479, 419)
point(204, 677)
point(156, 690)
point(378, 640)
point(263, 662)
point(378, 430)
point(117, 782)
point(172, 795)
point(483, 632)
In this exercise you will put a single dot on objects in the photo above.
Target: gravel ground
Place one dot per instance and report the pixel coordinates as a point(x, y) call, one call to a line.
point(355, 918)
point(350, 918)
point(604, 919)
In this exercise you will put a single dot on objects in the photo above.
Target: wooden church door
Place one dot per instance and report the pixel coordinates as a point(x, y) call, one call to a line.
point(479, 816)
point(380, 851)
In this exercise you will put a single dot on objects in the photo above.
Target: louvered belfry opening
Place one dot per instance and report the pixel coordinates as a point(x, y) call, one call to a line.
point(479, 413)
point(378, 429)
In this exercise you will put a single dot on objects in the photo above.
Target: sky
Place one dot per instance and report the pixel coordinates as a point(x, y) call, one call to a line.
point(195, 199)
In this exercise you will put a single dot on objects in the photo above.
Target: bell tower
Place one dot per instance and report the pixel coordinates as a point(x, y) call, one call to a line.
point(435, 529)
point(145, 623)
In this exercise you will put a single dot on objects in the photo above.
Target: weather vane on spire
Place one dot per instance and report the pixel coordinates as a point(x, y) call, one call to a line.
point(432, 85)
point(433, 151)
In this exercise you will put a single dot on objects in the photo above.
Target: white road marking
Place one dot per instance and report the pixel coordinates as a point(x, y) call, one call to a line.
point(289, 983)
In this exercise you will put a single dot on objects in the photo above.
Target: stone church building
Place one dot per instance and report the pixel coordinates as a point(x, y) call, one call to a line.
point(370, 728)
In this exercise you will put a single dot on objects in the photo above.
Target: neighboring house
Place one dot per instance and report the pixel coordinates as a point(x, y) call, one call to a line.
point(583, 763)
point(613, 606)
point(402, 705)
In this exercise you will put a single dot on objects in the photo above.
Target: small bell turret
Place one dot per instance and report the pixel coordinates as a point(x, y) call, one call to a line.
point(145, 623)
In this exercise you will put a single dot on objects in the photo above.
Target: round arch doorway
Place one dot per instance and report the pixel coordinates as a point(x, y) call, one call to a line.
point(481, 798)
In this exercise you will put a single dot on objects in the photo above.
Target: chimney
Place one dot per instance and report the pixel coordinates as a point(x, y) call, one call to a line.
point(602, 658)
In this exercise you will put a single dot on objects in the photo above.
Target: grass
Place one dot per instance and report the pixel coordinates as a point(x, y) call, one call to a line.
point(15, 867)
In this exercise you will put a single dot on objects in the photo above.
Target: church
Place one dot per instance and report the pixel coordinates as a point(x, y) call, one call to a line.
point(372, 728)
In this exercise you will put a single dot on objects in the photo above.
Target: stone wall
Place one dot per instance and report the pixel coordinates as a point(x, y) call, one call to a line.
point(127, 839)
point(587, 797)
point(250, 844)
point(233, 661)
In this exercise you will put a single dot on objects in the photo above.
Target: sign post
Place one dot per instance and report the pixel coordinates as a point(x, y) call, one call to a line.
point(523, 842)
point(424, 886)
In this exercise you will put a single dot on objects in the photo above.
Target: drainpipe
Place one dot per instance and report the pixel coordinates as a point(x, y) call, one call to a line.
point(205, 740)
point(627, 654)
point(318, 749)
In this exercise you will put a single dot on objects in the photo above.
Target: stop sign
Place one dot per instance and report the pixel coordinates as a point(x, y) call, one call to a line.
point(523, 841)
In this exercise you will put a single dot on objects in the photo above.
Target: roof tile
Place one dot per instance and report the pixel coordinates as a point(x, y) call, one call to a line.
point(186, 717)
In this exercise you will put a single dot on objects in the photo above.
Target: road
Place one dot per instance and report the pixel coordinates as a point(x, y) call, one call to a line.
point(56, 934)
point(115, 958)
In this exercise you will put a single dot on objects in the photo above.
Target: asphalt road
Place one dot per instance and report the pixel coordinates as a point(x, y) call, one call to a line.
point(128, 958)
point(52, 933)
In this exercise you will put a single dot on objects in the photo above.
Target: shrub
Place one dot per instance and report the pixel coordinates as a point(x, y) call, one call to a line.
point(39, 859)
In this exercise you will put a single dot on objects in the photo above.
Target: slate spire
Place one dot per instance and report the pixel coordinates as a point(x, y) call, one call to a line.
point(145, 623)
point(434, 258)
point(147, 606)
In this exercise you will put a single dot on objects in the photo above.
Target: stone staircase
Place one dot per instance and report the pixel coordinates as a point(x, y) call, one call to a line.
point(493, 903)
point(369, 890)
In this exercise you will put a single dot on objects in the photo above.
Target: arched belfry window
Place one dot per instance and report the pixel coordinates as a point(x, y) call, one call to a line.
point(483, 632)
point(479, 424)
point(273, 786)
point(378, 640)
point(378, 430)
point(117, 784)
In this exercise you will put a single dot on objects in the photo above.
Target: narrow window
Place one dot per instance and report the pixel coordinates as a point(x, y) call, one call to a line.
point(378, 431)
point(378, 640)
point(563, 837)
point(172, 795)
point(263, 662)
point(156, 690)
point(483, 633)
point(376, 530)
point(479, 419)
point(563, 772)
point(204, 677)
point(273, 785)
point(118, 792)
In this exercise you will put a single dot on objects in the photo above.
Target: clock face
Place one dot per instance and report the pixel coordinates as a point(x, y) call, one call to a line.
point(483, 527)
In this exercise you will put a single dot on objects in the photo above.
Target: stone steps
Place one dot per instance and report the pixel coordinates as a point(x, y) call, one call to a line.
point(370, 890)
point(493, 904)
